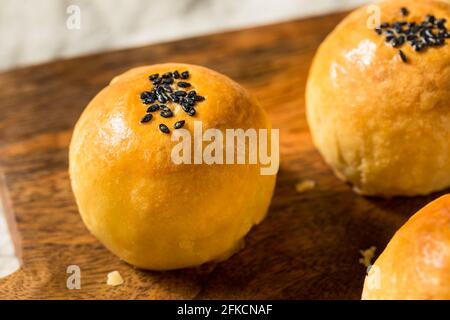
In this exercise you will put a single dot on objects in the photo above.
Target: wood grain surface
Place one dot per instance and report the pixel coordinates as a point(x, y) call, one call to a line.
point(307, 248)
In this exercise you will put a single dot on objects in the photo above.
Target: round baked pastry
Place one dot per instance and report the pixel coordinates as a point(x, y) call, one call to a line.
point(378, 98)
point(147, 208)
point(416, 262)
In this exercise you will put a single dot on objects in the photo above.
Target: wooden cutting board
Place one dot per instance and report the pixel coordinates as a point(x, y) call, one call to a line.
point(307, 248)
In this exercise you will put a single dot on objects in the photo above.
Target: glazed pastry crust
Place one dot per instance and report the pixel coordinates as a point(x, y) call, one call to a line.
point(383, 125)
point(416, 262)
point(149, 211)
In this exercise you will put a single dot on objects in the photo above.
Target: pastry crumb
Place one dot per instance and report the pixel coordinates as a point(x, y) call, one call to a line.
point(114, 279)
point(367, 256)
point(305, 185)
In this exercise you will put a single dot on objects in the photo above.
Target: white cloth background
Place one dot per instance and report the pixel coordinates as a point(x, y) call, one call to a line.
point(35, 31)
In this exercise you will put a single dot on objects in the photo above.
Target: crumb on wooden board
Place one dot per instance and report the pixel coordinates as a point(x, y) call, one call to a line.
point(367, 256)
point(114, 279)
point(305, 185)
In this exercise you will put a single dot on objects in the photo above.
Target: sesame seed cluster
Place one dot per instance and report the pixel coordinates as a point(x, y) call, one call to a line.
point(429, 33)
point(170, 87)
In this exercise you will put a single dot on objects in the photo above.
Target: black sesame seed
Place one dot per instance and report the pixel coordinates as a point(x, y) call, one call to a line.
point(424, 25)
point(153, 108)
point(441, 24)
point(161, 98)
point(156, 81)
point(379, 31)
point(199, 98)
point(179, 124)
point(165, 95)
point(146, 118)
point(403, 56)
point(185, 75)
point(174, 98)
point(151, 98)
point(145, 95)
point(398, 27)
point(384, 25)
point(148, 97)
point(189, 101)
point(176, 74)
point(430, 19)
point(404, 11)
point(167, 75)
point(161, 95)
point(154, 76)
point(180, 93)
point(186, 108)
point(191, 112)
point(192, 94)
point(164, 107)
point(148, 101)
point(167, 88)
point(166, 114)
point(439, 42)
point(414, 29)
point(183, 84)
point(419, 46)
point(167, 80)
point(395, 43)
point(163, 128)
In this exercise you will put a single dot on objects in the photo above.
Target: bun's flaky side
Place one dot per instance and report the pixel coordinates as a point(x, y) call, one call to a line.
point(416, 262)
point(142, 206)
point(381, 123)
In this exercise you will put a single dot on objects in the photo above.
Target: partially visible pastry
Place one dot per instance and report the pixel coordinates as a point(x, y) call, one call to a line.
point(416, 262)
point(378, 99)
